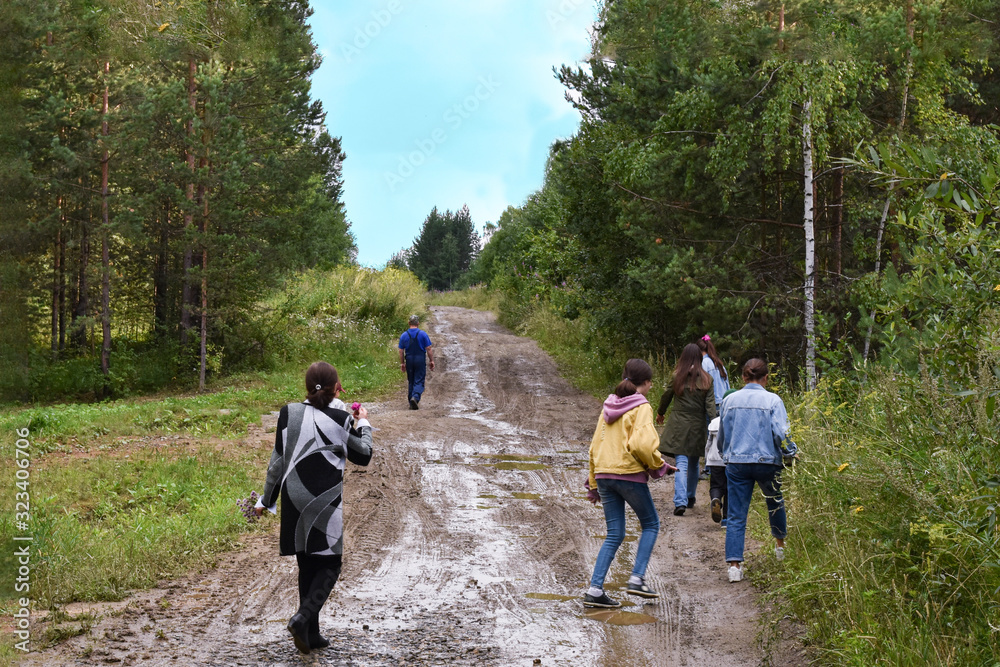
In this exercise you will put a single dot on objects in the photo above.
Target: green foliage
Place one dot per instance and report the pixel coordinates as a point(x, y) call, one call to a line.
point(348, 316)
point(476, 297)
point(222, 179)
point(940, 306)
point(677, 208)
point(893, 513)
point(444, 250)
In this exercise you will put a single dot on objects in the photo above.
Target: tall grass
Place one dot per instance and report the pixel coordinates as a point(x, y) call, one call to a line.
point(894, 549)
point(476, 297)
point(347, 316)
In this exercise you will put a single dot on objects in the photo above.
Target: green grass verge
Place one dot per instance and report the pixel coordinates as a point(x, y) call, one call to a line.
point(123, 520)
point(476, 298)
point(106, 525)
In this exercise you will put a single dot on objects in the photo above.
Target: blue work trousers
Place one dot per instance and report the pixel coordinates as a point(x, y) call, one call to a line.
point(416, 371)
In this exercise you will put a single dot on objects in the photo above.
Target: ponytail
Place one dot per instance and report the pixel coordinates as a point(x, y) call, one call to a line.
point(322, 382)
point(754, 370)
point(636, 373)
point(705, 345)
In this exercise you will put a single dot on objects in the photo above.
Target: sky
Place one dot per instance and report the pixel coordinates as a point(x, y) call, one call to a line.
point(443, 103)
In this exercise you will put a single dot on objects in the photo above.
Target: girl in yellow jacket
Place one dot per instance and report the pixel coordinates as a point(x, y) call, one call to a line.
point(623, 456)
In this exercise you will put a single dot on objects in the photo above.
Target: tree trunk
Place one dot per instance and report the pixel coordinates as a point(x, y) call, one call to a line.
point(160, 272)
point(62, 283)
point(810, 268)
point(203, 198)
point(888, 199)
point(837, 233)
point(781, 27)
point(105, 234)
point(82, 304)
point(186, 296)
point(56, 277)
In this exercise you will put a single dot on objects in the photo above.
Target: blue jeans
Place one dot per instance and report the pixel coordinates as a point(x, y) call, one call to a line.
point(615, 493)
point(416, 371)
point(741, 478)
point(685, 480)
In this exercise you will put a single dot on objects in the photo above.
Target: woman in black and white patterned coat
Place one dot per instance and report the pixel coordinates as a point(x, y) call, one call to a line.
point(312, 444)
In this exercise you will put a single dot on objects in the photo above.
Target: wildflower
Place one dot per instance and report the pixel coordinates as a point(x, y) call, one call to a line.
point(859, 509)
point(842, 467)
point(247, 505)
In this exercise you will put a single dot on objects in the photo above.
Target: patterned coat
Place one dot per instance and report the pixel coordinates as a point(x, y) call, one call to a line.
point(311, 446)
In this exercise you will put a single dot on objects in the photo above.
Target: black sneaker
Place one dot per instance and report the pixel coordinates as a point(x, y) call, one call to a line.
point(717, 510)
point(679, 510)
point(601, 601)
point(413, 405)
point(642, 590)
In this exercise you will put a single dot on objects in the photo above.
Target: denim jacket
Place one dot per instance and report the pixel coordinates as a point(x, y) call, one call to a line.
point(754, 427)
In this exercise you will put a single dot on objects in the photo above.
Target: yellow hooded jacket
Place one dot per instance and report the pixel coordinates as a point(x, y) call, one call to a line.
point(626, 446)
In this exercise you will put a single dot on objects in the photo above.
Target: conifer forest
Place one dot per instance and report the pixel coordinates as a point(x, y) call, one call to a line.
point(815, 183)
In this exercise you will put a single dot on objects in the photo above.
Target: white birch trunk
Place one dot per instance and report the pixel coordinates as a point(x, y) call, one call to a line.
point(807, 225)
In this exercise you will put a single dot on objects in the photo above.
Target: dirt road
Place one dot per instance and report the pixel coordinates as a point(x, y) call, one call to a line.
point(469, 542)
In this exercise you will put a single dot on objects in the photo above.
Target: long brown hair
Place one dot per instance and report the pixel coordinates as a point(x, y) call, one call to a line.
point(706, 346)
point(635, 373)
point(688, 374)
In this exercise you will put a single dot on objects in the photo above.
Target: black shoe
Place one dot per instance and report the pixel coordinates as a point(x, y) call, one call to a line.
point(642, 590)
point(602, 601)
point(690, 503)
point(413, 405)
point(319, 641)
point(297, 627)
point(679, 510)
point(717, 510)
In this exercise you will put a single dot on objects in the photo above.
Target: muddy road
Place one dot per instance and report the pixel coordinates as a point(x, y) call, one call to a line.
point(468, 542)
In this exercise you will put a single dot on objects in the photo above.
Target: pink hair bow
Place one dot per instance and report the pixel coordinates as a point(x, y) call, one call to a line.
point(706, 337)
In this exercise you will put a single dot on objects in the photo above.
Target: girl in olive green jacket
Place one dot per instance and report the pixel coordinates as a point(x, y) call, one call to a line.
point(687, 428)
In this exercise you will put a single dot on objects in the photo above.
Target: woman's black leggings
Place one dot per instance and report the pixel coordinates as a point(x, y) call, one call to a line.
point(317, 575)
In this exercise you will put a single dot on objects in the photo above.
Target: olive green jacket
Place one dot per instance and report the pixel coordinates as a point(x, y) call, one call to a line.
point(686, 431)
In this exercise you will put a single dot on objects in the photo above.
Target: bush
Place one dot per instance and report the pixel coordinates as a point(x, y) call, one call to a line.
point(894, 524)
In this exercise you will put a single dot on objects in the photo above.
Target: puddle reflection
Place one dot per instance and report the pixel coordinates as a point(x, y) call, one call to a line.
point(614, 617)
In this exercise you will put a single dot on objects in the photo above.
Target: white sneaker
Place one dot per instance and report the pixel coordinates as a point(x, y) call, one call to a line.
point(779, 553)
point(735, 574)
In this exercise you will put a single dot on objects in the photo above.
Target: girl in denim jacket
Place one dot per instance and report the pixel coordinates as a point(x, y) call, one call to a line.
point(754, 437)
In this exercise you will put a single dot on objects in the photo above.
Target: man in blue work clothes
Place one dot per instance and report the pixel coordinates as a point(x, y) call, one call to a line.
point(413, 345)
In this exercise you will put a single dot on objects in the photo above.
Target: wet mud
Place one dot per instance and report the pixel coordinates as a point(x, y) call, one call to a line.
point(468, 542)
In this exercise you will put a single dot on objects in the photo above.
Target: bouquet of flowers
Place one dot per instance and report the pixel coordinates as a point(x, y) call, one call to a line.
point(246, 506)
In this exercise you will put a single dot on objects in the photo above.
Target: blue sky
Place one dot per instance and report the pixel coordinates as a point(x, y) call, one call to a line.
point(443, 103)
